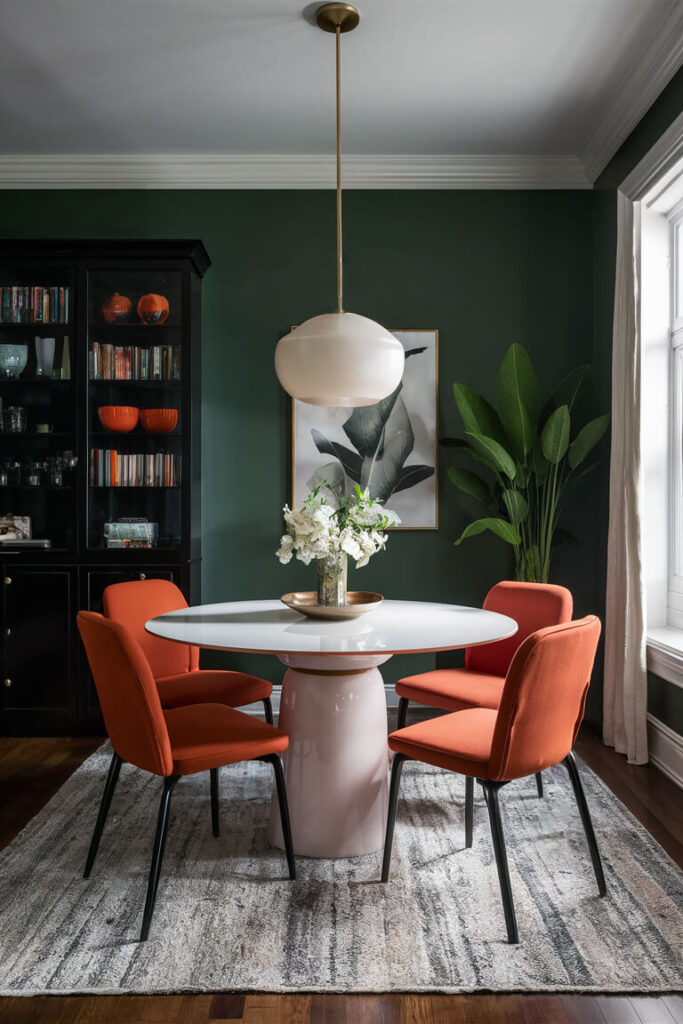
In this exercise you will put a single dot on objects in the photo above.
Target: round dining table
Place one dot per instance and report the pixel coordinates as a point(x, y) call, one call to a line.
point(333, 705)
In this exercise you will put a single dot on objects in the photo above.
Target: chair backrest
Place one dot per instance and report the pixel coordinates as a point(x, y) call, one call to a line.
point(128, 694)
point(533, 606)
point(133, 604)
point(543, 699)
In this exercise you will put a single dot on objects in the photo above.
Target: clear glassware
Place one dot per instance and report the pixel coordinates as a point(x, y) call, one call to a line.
point(33, 476)
point(15, 419)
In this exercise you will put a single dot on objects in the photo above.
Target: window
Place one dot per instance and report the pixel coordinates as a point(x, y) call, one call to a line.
point(675, 559)
point(661, 327)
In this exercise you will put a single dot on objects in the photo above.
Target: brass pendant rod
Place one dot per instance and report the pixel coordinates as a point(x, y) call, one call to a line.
point(340, 306)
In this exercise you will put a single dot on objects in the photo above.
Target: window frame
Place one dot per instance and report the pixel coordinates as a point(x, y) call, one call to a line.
point(674, 609)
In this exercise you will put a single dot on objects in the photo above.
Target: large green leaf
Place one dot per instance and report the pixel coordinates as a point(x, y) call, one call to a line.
point(478, 415)
point(518, 399)
point(470, 483)
point(569, 387)
point(555, 436)
point(540, 464)
point(586, 439)
point(516, 505)
point(493, 454)
point(500, 527)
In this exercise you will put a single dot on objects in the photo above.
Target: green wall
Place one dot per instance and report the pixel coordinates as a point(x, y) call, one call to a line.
point(663, 699)
point(485, 268)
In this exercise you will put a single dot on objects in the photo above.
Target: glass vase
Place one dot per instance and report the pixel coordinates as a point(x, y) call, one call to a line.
point(332, 580)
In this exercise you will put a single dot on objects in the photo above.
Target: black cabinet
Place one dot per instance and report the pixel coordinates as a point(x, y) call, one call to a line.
point(39, 677)
point(109, 328)
point(96, 579)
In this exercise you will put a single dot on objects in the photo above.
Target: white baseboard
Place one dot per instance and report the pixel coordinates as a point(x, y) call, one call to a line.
point(666, 749)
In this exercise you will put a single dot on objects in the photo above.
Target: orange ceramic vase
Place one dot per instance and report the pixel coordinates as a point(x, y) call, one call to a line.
point(116, 309)
point(153, 309)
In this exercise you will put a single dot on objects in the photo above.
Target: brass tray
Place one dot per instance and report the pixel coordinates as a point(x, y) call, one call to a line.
point(358, 603)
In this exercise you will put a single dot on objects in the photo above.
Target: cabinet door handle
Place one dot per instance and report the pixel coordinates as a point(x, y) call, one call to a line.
point(7, 580)
point(7, 683)
point(142, 576)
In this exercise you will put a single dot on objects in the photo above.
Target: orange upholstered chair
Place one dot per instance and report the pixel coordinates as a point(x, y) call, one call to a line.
point(534, 727)
point(170, 743)
point(480, 683)
point(175, 667)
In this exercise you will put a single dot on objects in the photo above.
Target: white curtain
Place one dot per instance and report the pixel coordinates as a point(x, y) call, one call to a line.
point(625, 691)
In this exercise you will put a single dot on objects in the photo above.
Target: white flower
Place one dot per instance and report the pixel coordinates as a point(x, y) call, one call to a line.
point(286, 549)
point(350, 543)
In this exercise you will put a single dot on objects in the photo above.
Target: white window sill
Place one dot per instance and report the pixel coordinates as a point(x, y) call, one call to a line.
point(665, 653)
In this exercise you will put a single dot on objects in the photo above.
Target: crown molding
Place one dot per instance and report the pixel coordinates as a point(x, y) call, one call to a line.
point(233, 171)
point(657, 164)
point(639, 90)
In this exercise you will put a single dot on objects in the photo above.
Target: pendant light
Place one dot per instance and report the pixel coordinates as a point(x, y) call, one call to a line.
point(339, 359)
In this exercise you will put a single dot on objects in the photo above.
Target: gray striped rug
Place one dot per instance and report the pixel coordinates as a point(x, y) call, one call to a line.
point(227, 918)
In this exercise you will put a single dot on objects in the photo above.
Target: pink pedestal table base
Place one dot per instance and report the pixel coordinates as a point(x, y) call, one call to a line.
point(337, 765)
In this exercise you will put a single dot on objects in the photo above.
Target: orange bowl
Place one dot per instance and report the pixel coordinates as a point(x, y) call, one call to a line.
point(159, 421)
point(118, 418)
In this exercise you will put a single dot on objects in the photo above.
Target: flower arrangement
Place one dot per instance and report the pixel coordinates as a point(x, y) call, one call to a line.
point(318, 530)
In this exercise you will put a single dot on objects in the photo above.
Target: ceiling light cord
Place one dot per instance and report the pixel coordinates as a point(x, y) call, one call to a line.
point(340, 297)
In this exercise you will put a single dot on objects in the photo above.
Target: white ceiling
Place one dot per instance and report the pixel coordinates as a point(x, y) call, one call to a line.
point(443, 78)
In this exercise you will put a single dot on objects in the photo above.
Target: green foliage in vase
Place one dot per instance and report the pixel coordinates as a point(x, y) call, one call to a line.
point(533, 455)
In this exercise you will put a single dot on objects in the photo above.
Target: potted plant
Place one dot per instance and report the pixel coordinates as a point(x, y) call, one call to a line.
point(533, 456)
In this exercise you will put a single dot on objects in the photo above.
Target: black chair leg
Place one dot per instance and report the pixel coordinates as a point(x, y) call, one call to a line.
point(491, 790)
point(396, 769)
point(402, 712)
point(215, 826)
point(539, 784)
point(284, 810)
point(157, 854)
point(570, 765)
point(109, 787)
point(469, 810)
point(268, 710)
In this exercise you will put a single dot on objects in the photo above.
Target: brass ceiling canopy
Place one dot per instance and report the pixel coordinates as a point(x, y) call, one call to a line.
point(331, 17)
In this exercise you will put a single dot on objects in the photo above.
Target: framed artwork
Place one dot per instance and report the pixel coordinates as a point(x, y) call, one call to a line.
point(391, 447)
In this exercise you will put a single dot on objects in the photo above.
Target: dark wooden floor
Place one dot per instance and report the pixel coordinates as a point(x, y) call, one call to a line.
point(32, 770)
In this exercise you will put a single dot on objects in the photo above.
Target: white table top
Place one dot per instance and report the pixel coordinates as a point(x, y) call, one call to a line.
point(396, 627)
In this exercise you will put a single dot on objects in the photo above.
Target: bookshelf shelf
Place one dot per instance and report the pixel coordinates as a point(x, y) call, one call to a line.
point(137, 383)
point(52, 325)
point(42, 381)
point(35, 434)
point(133, 487)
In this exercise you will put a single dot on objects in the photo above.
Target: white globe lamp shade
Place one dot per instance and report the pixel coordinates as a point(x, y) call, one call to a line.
point(339, 359)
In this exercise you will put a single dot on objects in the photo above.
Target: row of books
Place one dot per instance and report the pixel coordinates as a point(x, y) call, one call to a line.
point(132, 362)
point(109, 468)
point(32, 304)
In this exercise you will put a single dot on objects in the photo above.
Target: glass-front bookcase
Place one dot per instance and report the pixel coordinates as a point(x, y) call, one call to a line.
point(99, 451)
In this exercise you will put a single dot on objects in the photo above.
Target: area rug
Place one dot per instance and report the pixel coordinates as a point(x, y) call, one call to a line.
point(227, 918)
